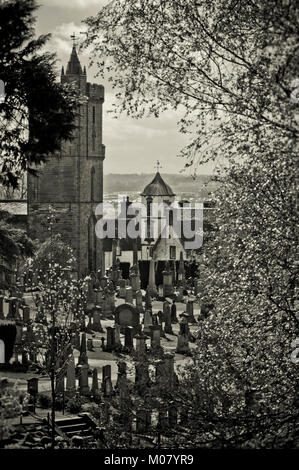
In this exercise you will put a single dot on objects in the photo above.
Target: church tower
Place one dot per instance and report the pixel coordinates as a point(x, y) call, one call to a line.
point(73, 183)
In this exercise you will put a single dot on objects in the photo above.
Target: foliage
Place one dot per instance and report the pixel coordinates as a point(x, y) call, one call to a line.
point(74, 405)
point(14, 242)
point(227, 67)
point(12, 402)
point(38, 113)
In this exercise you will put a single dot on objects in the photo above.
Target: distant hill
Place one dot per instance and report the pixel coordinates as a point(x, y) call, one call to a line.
point(180, 184)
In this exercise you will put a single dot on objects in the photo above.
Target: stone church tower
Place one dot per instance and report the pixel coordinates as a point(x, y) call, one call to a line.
point(73, 183)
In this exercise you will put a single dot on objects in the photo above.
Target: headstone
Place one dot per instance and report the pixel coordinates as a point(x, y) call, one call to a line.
point(168, 327)
point(97, 326)
point(60, 384)
point(190, 311)
point(167, 281)
point(90, 345)
point(182, 344)
point(173, 313)
point(141, 344)
point(108, 389)
point(106, 372)
point(147, 321)
point(129, 295)
point(155, 336)
point(129, 334)
point(83, 359)
point(122, 288)
point(71, 377)
point(110, 345)
point(148, 300)
point(117, 340)
point(95, 383)
point(151, 279)
point(83, 379)
point(127, 315)
point(139, 305)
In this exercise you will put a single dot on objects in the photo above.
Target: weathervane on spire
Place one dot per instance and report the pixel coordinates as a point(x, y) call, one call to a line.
point(158, 166)
point(73, 37)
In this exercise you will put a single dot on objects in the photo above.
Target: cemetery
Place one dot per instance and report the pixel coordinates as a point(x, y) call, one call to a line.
point(120, 352)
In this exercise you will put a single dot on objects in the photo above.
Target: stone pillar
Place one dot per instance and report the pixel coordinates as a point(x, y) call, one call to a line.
point(106, 372)
point(83, 359)
point(95, 383)
point(181, 270)
point(168, 327)
point(139, 305)
point(151, 279)
point(167, 281)
point(129, 334)
point(110, 345)
point(71, 377)
point(173, 313)
point(129, 295)
point(83, 379)
point(117, 340)
point(190, 311)
point(147, 322)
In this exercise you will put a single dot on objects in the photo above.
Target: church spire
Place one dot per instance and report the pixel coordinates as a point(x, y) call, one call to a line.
point(74, 66)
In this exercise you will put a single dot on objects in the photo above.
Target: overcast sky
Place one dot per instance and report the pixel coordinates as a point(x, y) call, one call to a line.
point(132, 146)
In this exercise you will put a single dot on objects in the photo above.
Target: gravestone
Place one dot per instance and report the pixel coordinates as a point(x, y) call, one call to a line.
point(117, 339)
point(141, 344)
point(129, 335)
point(83, 359)
point(173, 313)
point(122, 288)
point(155, 334)
point(147, 322)
point(129, 295)
point(83, 379)
point(96, 325)
point(139, 305)
point(190, 311)
point(95, 383)
point(71, 377)
point(110, 344)
point(168, 327)
point(127, 315)
point(108, 389)
point(106, 372)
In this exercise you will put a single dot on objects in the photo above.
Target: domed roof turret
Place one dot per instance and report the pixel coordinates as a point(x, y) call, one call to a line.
point(158, 187)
